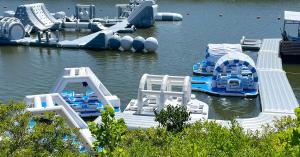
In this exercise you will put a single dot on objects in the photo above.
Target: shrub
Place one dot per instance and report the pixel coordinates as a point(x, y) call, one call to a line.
point(174, 118)
point(45, 138)
point(208, 138)
point(296, 131)
point(108, 134)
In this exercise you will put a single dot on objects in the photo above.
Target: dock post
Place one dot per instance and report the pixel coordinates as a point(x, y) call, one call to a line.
point(48, 36)
point(39, 34)
point(57, 35)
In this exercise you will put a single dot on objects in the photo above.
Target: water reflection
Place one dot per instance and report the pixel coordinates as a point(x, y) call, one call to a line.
point(293, 74)
point(229, 107)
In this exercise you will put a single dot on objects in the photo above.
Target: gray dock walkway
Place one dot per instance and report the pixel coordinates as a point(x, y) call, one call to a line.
point(134, 121)
point(138, 121)
point(97, 40)
point(276, 93)
point(277, 98)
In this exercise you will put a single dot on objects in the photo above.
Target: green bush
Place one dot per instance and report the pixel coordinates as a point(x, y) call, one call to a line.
point(208, 138)
point(174, 118)
point(46, 138)
point(296, 131)
point(203, 138)
point(108, 134)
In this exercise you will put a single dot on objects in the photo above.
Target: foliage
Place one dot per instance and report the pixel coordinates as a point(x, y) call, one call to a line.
point(208, 138)
point(296, 131)
point(50, 137)
point(174, 118)
point(109, 133)
point(45, 138)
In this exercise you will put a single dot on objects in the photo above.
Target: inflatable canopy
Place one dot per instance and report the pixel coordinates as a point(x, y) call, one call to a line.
point(216, 51)
point(242, 60)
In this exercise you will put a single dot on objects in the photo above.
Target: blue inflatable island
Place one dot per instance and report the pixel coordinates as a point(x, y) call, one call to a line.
point(233, 75)
point(212, 54)
point(203, 84)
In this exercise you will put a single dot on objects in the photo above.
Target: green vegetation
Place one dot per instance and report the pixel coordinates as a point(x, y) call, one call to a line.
point(173, 118)
point(174, 137)
point(45, 138)
point(296, 131)
point(108, 134)
point(207, 138)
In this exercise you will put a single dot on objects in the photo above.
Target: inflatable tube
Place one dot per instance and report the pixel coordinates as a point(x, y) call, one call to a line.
point(11, 28)
point(168, 17)
point(9, 13)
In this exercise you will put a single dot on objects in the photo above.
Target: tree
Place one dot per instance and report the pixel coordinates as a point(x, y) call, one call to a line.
point(296, 131)
point(109, 133)
point(22, 134)
point(174, 118)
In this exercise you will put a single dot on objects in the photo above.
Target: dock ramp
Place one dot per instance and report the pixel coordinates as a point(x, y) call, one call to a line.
point(98, 40)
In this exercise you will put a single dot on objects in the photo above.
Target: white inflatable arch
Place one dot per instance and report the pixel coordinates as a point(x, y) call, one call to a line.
point(233, 59)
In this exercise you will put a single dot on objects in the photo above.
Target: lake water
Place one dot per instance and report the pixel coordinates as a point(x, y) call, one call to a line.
point(32, 70)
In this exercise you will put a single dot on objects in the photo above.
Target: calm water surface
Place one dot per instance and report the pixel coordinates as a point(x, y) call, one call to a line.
point(32, 70)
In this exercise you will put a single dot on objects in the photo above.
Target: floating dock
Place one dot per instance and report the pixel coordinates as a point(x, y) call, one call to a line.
point(137, 121)
point(276, 95)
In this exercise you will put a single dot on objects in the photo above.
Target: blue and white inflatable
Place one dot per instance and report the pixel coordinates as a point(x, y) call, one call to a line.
point(213, 53)
point(233, 75)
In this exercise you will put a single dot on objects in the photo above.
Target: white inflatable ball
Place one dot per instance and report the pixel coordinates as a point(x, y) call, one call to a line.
point(151, 44)
point(126, 42)
point(138, 43)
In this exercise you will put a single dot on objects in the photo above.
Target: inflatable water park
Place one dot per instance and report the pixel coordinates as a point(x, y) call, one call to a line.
point(42, 103)
point(90, 96)
point(212, 54)
point(174, 91)
point(78, 92)
point(233, 75)
point(34, 25)
point(155, 92)
point(226, 71)
point(73, 105)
